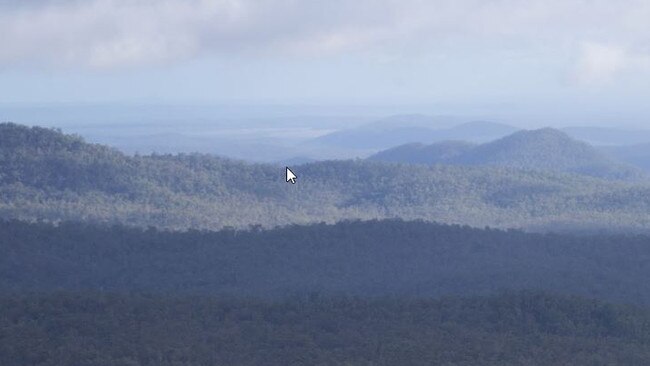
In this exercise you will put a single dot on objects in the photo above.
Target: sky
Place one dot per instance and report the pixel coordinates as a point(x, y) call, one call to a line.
point(574, 58)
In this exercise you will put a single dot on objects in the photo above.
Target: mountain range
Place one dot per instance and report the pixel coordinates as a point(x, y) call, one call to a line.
point(47, 175)
point(405, 129)
point(545, 149)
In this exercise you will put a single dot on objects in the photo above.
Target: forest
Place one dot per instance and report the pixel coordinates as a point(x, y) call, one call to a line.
point(372, 258)
point(47, 175)
point(115, 259)
point(517, 328)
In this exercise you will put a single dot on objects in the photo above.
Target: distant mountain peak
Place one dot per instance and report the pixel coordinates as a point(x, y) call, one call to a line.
point(545, 149)
point(543, 137)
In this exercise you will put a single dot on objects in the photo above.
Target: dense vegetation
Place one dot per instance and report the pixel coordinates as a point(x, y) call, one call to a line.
point(546, 150)
point(47, 175)
point(510, 329)
point(374, 258)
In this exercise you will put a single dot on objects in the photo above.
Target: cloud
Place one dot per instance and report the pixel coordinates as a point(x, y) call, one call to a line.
point(105, 33)
point(108, 34)
point(600, 64)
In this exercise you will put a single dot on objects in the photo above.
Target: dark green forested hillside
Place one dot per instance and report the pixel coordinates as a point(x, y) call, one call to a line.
point(47, 175)
point(353, 258)
point(510, 329)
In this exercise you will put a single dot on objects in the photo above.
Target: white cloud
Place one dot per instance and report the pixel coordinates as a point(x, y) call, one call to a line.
point(116, 33)
point(107, 33)
point(600, 64)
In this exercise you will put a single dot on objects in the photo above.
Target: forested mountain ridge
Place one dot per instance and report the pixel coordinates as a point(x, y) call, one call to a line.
point(545, 150)
point(550, 150)
point(371, 258)
point(47, 175)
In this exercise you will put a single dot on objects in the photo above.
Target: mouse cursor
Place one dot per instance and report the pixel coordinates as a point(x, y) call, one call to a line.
point(290, 176)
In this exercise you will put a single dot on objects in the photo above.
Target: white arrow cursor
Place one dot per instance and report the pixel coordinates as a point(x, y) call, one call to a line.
point(290, 176)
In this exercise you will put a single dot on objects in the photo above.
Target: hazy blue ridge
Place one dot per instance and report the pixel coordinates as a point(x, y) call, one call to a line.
point(46, 175)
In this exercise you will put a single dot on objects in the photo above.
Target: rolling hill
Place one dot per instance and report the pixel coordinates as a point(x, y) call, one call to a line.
point(47, 175)
point(385, 134)
point(545, 150)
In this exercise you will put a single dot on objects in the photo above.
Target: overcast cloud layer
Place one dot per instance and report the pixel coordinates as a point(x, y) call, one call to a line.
point(584, 42)
point(608, 35)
